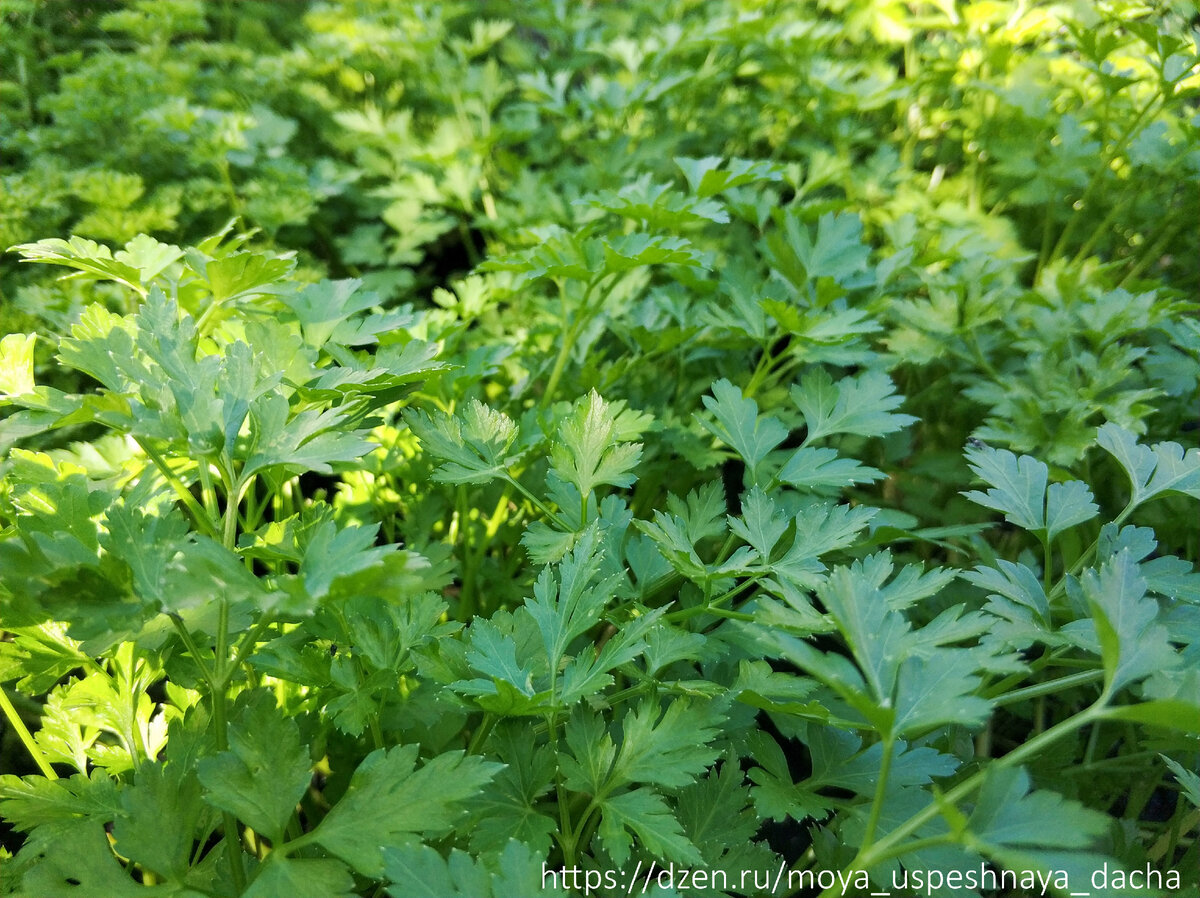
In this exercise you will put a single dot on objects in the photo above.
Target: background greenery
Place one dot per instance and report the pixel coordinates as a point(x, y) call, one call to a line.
point(563, 418)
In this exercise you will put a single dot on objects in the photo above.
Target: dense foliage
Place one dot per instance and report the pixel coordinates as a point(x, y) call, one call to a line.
point(477, 439)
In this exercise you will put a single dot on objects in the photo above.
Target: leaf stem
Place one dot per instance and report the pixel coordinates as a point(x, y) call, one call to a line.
point(558, 522)
point(191, 646)
point(229, 823)
point(246, 645)
point(1047, 564)
point(1059, 684)
point(885, 769)
point(481, 733)
point(199, 514)
point(708, 607)
point(564, 348)
point(18, 725)
point(1081, 208)
point(894, 845)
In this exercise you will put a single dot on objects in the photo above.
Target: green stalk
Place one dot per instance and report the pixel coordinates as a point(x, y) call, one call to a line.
point(571, 331)
point(567, 839)
point(223, 672)
point(558, 522)
point(564, 349)
point(246, 645)
point(765, 361)
point(18, 725)
point(709, 606)
point(1061, 684)
point(191, 646)
point(481, 733)
point(467, 596)
point(893, 844)
point(203, 520)
point(229, 824)
point(1165, 236)
point(1047, 564)
point(1099, 230)
point(1096, 179)
point(885, 770)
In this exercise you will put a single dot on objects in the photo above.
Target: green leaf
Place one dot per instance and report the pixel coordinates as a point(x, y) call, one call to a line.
point(587, 767)
point(669, 534)
point(558, 254)
point(1162, 468)
point(101, 345)
point(569, 604)
point(587, 673)
point(668, 748)
point(839, 760)
point(89, 259)
point(630, 251)
point(644, 815)
point(859, 405)
point(264, 773)
point(393, 800)
point(150, 257)
point(148, 544)
point(1167, 714)
point(1012, 581)
point(1019, 486)
point(240, 275)
point(1189, 780)
point(16, 365)
point(938, 689)
point(1132, 644)
point(33, 801)
point(1007, 813)
point(709, 176)
point(716, 813)
point(759, 525)
point(759, 686)
point(1019, 491)
point(829, 326)
point(331, 311)
point(837, 250)
point(82, 864)
point(203, 568)
point(330, 553)
point(308, 441)
point(393, 373)
point(776, 796)
point(162, 813)
point(474, 445)
point(821, 528)
point(301, 878)
point(739, 426)
point(822, 470)
point(420, 870)
point(545, 545)
point(508, 807)
point(589, 450)
point(658, 206)
point(878, 636)
point(494, 652)
point(1068, 504)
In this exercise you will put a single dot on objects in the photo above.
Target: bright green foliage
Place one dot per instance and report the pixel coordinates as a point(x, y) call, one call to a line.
point(473, 447)
point(1019, 489)
point(554, 460)
point(388, 799)
point(592, 448)
point(861, 405)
